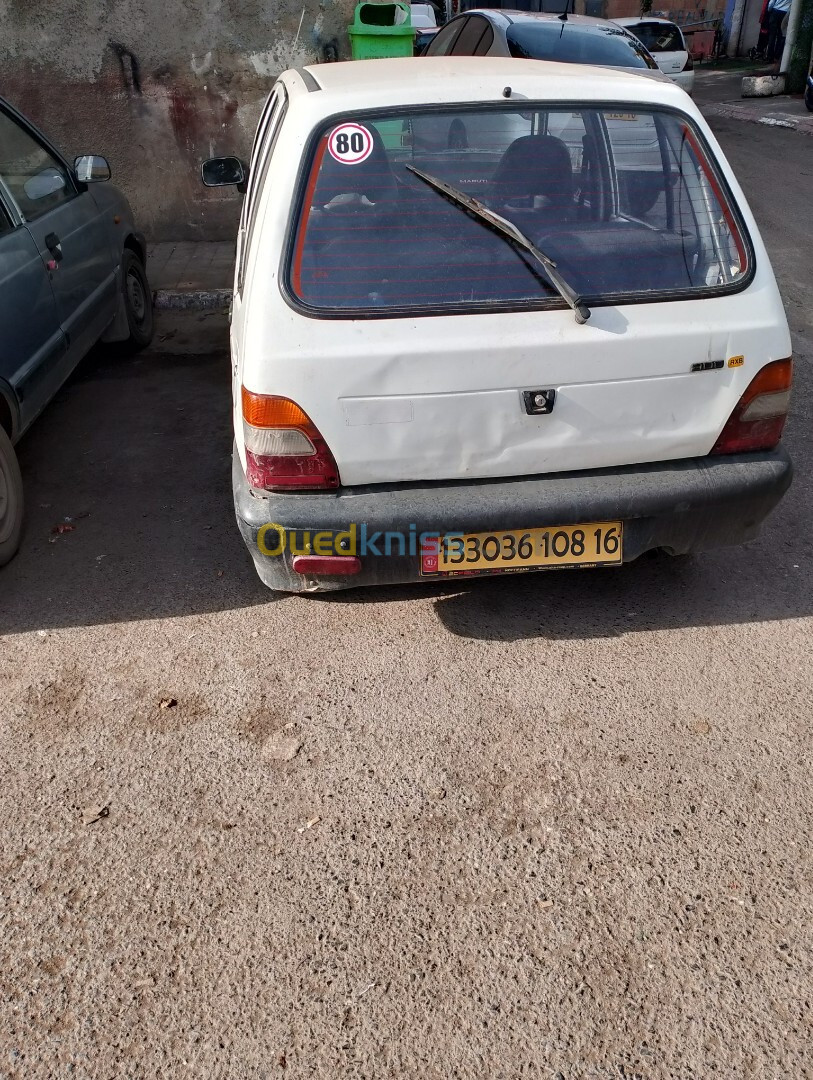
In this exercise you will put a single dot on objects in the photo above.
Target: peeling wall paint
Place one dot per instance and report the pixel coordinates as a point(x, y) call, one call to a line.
point(157, 86)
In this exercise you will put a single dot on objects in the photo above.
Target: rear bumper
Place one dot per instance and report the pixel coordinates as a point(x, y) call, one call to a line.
point(680, 506)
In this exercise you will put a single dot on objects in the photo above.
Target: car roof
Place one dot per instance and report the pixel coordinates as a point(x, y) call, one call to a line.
point(636, 20)
point(442, 79)
point(510, 16)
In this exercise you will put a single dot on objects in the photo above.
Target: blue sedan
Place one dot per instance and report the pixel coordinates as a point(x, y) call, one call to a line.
point(72, 273)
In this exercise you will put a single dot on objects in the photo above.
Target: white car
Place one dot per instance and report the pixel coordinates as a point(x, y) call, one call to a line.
point(665, 42)
point(461, 363)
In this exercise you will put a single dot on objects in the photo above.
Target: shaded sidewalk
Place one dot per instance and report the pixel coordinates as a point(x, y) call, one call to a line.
point(718, 93)
point(191, 274)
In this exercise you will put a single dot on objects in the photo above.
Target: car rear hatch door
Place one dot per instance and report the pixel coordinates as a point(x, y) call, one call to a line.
point(672, 62)
point(484, 373)
point(524, 394)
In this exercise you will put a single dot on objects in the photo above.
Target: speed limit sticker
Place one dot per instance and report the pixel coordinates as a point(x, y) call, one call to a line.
point(350, 144)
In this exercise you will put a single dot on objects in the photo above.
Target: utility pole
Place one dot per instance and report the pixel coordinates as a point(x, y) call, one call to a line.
point(735, 27)
point(798, 43)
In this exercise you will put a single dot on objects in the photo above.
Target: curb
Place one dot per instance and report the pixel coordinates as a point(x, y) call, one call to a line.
point(201, 300)
point(802, 124)
point(763, 85)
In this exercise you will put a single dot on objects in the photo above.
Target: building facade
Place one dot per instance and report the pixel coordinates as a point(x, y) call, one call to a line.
point(159, 85)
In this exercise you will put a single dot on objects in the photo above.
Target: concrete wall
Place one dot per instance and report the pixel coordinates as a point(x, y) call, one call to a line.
point(751, 23)
point(158, 85)
point(680, 11)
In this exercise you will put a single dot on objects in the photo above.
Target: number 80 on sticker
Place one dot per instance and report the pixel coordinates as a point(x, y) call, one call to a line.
point(350, 144)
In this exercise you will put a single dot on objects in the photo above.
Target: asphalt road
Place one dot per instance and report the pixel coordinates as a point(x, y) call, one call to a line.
point(552, 826)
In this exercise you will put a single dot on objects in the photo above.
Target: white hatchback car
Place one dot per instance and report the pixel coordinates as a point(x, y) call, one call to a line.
point(665, 42)
point(560, 352)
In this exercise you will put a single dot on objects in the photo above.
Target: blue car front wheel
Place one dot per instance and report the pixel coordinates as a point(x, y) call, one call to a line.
point(11, 500)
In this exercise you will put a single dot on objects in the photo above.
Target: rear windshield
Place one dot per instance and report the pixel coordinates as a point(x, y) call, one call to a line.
point(570, 43)
point(626, 202)
point(659, 37)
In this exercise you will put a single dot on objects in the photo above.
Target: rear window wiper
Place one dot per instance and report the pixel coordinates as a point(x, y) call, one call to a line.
point(509, 230)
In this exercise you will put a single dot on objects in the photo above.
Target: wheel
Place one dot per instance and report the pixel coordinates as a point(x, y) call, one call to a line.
point(11, 500)
point(809, 93)
point(458, 136)
point(137, 302)
point(753, 53)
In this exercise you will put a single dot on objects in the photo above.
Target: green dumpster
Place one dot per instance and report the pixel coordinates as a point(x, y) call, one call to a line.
point(374, 32)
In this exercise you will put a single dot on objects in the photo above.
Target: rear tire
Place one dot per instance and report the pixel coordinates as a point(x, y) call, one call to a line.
point(11, 500)
point(137, 302)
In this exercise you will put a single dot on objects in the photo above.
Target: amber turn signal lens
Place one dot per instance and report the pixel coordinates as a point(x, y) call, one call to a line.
point(759, 416)
point(772, 378)
point(262, 410)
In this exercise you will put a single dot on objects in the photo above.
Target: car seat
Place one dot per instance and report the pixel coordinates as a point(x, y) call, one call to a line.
point(534, 181)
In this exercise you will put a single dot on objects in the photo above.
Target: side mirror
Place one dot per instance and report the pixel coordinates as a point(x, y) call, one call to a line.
point(224, 172)
point(91, 169)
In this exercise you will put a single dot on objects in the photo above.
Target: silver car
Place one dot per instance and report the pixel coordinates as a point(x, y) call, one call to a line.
point(72, 273)
point(535, 35)
point(528, 35)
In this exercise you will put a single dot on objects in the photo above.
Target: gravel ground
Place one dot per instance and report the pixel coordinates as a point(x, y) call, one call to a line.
point(551, 826)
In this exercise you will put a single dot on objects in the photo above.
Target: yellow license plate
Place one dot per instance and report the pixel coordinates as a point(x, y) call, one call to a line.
point(597, 544)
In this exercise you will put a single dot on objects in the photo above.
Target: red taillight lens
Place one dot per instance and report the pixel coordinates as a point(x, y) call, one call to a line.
point(759, 417)
point(689, 65)
point(330, 565)
point(284, 450)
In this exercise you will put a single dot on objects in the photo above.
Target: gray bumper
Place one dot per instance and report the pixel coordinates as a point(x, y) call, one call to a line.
point(680, 506)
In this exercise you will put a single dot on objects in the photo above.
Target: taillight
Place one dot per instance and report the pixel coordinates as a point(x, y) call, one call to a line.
point(284, 450)
point(759, 417)
point(330, 565)
point(689, 65)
